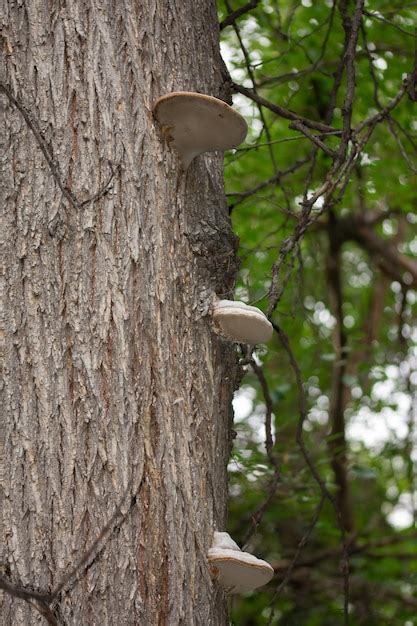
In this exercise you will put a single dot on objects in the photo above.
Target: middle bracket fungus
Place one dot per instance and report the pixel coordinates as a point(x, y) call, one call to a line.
point(242, 323)
point(194, 123)
point(236, 571)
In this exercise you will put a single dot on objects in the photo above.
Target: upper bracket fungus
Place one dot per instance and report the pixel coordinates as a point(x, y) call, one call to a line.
point(240, 322)
point(194, 123)
point(236, 571)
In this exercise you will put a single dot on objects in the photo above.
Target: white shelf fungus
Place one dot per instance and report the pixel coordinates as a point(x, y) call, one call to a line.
point(242, 323)
point(236, 571)
point(194, 123)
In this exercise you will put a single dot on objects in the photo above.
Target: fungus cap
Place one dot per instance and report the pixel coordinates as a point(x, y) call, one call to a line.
point(236, 571)
point(224, 541)
point(194, 123)
point(241, 322)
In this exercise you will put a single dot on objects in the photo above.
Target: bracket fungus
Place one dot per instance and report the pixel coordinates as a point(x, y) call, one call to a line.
point(194, 123)
point(236, 571)
point(240, 322)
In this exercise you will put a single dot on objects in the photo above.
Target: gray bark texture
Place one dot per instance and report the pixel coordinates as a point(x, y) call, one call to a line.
point(117, 392)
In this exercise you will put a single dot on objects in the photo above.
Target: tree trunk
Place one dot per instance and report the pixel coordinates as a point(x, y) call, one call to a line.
point(117, 391)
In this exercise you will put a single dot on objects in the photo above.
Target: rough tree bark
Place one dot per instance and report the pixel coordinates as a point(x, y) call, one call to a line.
point(117, 391)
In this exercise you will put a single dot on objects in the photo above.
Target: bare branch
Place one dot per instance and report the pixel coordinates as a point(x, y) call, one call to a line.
point(355, 547)
point(40, 600)
point(47, 152)
point(291, 566)
point(393, 131)
point(232, 17)
point(252, 78)
point(352, 27)
point(302, 400)
point(42, 145)
point(101, 192)
point(377, 16)
point(259, 513)
point(392, 262)
point(373, 120)
point(242, 195)
point(285, 113)
point(269, 442)
point(108, 528)
point(339, 395)
point(316, 140)
point(23, 592)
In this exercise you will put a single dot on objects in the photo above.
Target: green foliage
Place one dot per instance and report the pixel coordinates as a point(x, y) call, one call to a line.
point(294, 50)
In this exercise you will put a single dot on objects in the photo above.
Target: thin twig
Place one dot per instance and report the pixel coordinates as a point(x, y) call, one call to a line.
point(344, 561)
point(40, 600)
point(242, 195)
point(397, 139)
point(232, 17)
point(352, 28)
point(355, 548)
point(101, 192)
point(252, 78)
point(373, 120)
point(23, 592)
point(302, 543)
point(47, 152)
point(43, 146)
point(269, 441)
point(377, 16)
point(300, 73)
point(109, 527)
point(316, 140)
point(285, 113)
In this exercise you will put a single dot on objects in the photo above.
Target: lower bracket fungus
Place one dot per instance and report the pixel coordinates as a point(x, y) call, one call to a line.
point(236, 571)
point(240, 322)
point(194, 123)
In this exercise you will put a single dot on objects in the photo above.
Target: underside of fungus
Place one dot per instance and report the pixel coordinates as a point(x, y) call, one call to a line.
point(194, 123)
point(242, 323)
point(234, 570)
